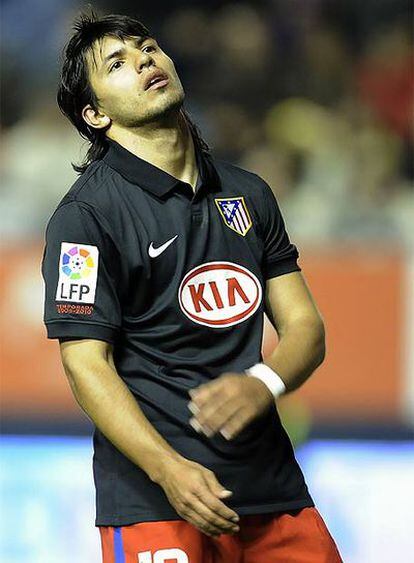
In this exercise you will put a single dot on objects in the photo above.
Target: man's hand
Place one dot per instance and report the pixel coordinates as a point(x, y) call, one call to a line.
point(195, 493)
point(228, 404)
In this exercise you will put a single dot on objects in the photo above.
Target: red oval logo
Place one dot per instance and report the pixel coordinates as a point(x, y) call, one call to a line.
point(219, 294)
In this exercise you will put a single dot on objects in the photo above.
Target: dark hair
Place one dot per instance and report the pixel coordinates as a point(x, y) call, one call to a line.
point(75, 91)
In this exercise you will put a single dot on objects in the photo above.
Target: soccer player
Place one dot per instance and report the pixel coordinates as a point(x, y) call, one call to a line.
point(159, 263)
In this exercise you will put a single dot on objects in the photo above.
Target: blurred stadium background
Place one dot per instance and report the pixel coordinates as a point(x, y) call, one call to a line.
point(316, 96)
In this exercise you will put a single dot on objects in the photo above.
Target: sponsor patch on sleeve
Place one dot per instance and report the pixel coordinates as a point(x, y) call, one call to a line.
point(78, 273)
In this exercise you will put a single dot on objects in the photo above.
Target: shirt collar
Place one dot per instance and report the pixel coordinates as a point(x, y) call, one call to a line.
point(153, 179)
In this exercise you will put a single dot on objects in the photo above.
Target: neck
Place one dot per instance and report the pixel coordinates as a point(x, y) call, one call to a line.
point(169, 146)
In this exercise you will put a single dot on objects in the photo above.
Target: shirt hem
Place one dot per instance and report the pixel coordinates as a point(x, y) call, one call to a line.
point(138, 517)
point(70, 328)
point(275, 269)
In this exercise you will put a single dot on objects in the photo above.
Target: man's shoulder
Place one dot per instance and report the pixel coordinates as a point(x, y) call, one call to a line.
point(231, 173)
point(92, 185)
point(93, 195)
point(95, 188)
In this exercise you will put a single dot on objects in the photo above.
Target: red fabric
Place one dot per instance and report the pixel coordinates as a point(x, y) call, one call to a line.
point(107, 544)
point(389, 90)
point(296, 537)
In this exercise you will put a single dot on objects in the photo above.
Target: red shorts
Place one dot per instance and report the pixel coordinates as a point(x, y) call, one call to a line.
point(299, 536)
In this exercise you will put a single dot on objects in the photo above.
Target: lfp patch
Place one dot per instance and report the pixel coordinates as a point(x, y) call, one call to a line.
point(78, 273)
point(235, 214)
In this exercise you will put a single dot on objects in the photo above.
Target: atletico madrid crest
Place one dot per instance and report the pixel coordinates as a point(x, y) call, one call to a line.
point(235, 214)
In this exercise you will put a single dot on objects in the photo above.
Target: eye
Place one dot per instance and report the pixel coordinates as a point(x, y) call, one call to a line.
point(149, 49)
point(116, 65)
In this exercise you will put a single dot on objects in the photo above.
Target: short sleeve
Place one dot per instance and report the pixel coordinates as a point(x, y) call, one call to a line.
point(80, 272)
point(280, 255)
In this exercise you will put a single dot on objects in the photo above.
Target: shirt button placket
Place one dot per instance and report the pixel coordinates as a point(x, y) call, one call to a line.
point(196, 213)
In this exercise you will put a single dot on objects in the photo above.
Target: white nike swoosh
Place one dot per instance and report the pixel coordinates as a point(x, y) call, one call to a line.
point(154, 252)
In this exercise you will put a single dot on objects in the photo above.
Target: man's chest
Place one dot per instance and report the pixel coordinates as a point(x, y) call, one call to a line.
point(200, 256)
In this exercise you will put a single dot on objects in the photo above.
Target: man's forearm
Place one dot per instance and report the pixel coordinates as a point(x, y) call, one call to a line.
point(300, 351)
point(105, 398)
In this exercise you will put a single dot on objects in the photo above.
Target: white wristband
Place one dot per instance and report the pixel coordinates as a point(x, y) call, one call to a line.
point(269, 377)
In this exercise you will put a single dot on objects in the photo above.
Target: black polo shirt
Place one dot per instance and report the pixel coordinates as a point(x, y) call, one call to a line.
point(175, 280)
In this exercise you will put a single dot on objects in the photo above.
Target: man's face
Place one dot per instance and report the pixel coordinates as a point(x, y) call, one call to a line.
point(119, 73)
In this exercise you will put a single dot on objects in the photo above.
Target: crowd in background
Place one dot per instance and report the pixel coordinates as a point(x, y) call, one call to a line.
point(315, 96)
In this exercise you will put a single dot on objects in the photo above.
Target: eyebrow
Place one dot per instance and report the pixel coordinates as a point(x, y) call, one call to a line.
point(120, 52)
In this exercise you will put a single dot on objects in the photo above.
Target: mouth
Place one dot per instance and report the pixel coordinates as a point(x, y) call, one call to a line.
point(155, 81)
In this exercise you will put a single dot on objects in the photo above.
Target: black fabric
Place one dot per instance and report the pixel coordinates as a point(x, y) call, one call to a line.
point(176, 319)
point(79, 223)
point(147, 176)
point(280, 256)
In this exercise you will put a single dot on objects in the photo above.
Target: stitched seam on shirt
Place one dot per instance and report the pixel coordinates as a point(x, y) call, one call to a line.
point(80, 323)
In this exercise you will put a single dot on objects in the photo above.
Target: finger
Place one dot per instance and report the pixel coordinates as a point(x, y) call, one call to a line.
point(193, 509)
point(201, 429)
point(217, 509)
point(199, 522)
point(215, 416)
point(206, 430)
point(196, 425)
point(213, 494)
point(235, 424)
point(193, 408)
point(203, 387)
point(200, 506)
point(195, 422)
point(206, 392)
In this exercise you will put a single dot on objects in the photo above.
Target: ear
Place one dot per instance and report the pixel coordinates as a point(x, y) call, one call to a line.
point(95, 118)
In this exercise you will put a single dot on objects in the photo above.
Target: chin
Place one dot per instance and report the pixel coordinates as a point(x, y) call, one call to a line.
point(165, 108)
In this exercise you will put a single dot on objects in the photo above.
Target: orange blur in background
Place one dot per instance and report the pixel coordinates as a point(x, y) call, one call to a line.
point(360, 294)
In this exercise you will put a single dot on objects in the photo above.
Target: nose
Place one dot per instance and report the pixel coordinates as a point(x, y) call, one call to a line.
point(144, 60)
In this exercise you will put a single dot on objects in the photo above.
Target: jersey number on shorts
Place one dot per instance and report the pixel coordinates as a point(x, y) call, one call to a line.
point(162, 555)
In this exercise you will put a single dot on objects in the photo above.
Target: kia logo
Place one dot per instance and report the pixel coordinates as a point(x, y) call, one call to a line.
point(219, 294)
